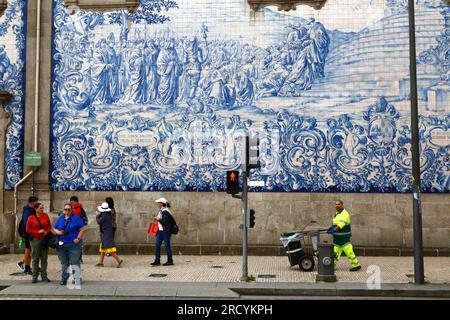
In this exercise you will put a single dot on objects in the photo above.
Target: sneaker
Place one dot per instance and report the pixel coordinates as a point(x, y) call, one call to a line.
point(63, 282)
point(34, 279)
point(28, 271)
point(355, 268)
point(45, 279)
point(168, 264)
point(21, 266)
point(119, 264)
point(99, 265)
point(156, 263)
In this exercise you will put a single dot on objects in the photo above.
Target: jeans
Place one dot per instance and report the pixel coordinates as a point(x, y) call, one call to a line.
point(38, 254)
point(69, 254)
point(160, 237)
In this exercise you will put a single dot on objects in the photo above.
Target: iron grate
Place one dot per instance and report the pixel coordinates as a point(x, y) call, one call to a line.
point(158, 275)
point(267, 276)
point(19, 274)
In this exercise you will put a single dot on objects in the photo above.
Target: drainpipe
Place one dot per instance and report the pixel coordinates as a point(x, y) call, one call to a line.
point(36, 107)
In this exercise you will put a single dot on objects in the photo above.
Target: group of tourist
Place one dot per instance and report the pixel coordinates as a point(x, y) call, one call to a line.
point(36, 229)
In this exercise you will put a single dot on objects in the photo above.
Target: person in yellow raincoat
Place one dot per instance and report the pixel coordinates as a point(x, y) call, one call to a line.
point(342, 232)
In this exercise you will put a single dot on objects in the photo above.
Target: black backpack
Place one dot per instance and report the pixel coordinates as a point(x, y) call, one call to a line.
point(174, 226)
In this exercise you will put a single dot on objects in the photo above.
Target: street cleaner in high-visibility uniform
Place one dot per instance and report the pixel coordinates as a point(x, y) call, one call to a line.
point(342, 232)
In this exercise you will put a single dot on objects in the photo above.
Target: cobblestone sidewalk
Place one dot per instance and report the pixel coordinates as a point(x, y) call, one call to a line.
point(229, 269)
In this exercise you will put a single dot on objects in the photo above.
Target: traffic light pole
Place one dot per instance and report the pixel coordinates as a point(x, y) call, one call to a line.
point(244, 197)
point(245, 227)
point(419, 277)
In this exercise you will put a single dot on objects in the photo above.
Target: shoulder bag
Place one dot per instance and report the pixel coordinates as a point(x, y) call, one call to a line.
point(50, 240)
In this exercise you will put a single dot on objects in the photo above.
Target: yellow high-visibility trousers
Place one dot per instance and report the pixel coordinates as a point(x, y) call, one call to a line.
point(348, 250)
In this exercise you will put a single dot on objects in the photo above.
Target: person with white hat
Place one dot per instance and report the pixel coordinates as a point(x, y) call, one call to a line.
point(107, 245)
point(164, 220)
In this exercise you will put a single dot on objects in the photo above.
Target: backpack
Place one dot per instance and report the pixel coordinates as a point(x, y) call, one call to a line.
point(23, 222)
point(19, 228)
point(174, 226)
point(84, 217)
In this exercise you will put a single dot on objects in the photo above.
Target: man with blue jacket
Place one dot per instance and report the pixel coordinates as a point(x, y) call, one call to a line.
point(28, 210)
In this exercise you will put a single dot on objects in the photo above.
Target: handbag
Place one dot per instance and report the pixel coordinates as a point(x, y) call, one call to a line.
point(53, 241)
point(50, 240)
point(152, 229)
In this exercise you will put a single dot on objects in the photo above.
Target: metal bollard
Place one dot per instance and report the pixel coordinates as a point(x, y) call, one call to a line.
point(325, 263)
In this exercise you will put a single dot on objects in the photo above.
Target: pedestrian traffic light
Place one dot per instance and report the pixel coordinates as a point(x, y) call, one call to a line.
point(252, 218)
point(252, 152)
point(232, 182)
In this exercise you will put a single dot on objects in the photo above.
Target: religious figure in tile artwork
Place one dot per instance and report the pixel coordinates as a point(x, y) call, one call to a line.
point(169, 70)
point(192, 71)
point(4, 63)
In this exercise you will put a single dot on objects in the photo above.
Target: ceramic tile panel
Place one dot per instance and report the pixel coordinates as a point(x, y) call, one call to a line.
point(160, 99)
point(12, 80)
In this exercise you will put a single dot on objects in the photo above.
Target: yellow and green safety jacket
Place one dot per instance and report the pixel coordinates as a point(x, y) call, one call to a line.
point(342, 237)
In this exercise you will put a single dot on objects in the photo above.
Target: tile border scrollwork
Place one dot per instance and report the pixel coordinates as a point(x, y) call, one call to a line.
point(15, 19)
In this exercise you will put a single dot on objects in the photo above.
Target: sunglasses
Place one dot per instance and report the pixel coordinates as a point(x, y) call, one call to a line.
point(67, 209)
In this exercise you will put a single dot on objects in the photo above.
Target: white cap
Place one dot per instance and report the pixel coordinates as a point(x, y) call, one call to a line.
point(104, 207)
point(162, 200)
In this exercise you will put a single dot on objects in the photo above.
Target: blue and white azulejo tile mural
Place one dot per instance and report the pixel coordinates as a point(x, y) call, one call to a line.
point(12, 80)
point(160, 99)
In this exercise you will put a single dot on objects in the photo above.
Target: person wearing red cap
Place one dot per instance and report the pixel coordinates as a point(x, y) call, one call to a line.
point(78, 210)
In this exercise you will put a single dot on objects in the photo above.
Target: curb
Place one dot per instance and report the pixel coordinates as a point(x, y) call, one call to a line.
point(186, 290)
point(387, 291)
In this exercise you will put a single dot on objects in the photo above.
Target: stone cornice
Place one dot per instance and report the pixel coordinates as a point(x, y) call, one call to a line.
point(285, 5)
point(103, 6)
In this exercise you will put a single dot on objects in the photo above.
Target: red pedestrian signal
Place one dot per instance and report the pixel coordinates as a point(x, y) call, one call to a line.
point(232, 182)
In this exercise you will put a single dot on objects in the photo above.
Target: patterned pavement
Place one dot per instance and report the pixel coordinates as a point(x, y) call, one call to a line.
point(229, 269)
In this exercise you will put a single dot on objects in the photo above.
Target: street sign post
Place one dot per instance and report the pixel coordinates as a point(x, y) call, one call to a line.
point(256, 184)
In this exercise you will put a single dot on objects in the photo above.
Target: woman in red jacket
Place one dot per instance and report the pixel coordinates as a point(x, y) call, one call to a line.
point(38, 226)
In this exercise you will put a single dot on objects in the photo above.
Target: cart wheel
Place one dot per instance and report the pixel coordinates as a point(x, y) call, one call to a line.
point(306, 263)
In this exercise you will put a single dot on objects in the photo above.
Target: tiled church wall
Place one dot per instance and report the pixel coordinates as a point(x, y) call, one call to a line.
point(209, 221)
